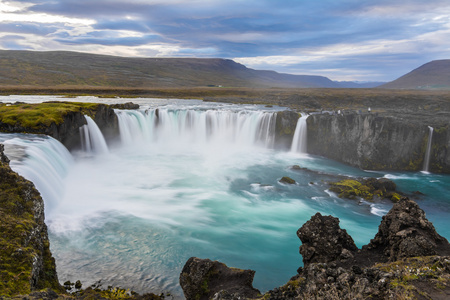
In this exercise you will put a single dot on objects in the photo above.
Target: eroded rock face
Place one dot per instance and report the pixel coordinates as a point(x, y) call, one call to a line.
point(3, 158)
point(25, 258)
point(324, 241)
point(286, 122)
point(203, 279)
point(376, 142)
point(127, 105)
point(405, 232)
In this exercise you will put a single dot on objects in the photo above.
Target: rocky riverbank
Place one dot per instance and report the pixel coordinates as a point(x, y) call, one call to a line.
point(407, 259)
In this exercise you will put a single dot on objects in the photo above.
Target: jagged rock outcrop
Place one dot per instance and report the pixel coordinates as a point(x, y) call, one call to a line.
point(26, 262)
point(324, 241)
point(406, 232)
point(286, 122)
point(203, 279)
point(369, 141)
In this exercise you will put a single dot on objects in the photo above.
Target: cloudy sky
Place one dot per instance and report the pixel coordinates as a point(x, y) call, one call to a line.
point(361, 40)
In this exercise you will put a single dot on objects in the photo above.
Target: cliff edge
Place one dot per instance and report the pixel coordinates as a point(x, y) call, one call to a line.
point(26, 263)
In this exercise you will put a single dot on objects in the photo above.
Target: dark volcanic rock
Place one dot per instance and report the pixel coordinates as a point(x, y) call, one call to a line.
point(376, 142)
point(285, 128)
point(128, 105)
point(203, 279)
point(406, 232)
point(287, 180)
point(3, 158)
point(324, 241)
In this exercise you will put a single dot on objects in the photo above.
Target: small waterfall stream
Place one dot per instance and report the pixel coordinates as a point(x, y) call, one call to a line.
point(426, 162)
point(299, 141)
point(92, 138)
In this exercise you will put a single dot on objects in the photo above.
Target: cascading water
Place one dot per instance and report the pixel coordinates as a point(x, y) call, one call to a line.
point(202, 180)
point(92, 138)
point(205, 127)
point(426, 162)
point(40, 159)
point(299, 141)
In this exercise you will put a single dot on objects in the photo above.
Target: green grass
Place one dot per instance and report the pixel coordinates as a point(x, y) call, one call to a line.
point(34, 116)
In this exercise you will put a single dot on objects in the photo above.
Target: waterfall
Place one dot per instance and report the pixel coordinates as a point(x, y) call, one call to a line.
point(92, 138)
point(40, 159)
point(299, 141)
point(426, 163)
point(190, 126)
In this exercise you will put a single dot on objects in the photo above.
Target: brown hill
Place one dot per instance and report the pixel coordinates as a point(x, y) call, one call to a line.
point(432, 75)
point(59, 68)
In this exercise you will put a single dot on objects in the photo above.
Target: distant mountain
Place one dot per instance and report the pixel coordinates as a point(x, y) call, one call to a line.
point(60, 68)
point(432, 75)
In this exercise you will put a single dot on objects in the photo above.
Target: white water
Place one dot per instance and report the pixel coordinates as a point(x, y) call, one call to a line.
point(426, 163)
point(41, 159)
point(299, 141)
point(92, 138)
point(194, 128)
point(179, 186)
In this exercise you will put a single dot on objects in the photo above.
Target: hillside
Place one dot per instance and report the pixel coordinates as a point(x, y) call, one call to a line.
point(30, 68)
point(432, 75)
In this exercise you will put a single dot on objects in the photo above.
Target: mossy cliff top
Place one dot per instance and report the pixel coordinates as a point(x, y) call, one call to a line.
point(60, 120)
point(36, 116)
point(26, 263)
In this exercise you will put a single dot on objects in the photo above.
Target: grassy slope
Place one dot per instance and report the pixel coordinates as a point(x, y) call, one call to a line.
point(432, 75)
point(27, 68)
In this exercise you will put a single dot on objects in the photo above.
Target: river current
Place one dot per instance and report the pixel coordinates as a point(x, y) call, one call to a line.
point(188, 178)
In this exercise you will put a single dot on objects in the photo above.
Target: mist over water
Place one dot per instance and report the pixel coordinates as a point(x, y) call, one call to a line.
point(200, 180)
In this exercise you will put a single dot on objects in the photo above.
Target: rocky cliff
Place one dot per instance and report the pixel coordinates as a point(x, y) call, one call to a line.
point(26, 263)
point(60, 120)
point(369, 141)
point(285, 124)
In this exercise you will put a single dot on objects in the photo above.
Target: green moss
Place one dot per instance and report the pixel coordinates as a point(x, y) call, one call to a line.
point(363, 188)
point(35, 116)
point(350, 188)
point(20, 243)
point(395, 197)
point(287, 180)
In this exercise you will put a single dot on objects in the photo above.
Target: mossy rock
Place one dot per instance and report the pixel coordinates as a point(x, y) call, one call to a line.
point(24, 238)
point(366, 189)
point(287, 180)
